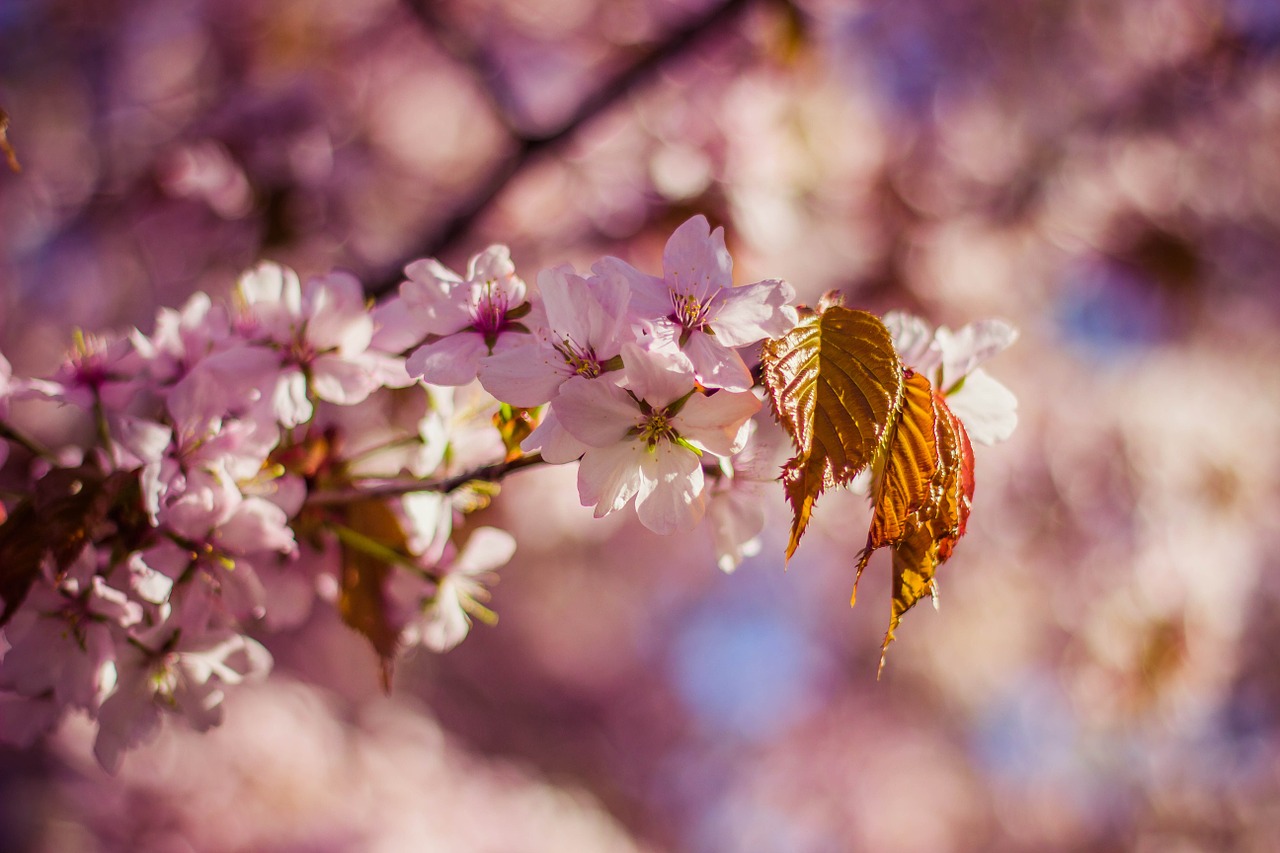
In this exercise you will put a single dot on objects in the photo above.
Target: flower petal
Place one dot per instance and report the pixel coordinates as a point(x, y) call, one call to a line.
point(695, 261)
point(657, 377)
point(966, 349)
point(716, 422)
point(452, 360)
point(716, 365)
point(988, 410)
point(595, 412)
point(670, 497)
point(608, 477)
point(744, 315)
point(525, 375)
point(341, 381)
point(555, 442)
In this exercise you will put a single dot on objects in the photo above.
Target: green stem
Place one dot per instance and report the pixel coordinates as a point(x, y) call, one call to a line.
point(375, 549)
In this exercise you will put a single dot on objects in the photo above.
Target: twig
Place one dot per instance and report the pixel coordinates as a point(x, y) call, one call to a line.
point(396, 488)
point(529, 146)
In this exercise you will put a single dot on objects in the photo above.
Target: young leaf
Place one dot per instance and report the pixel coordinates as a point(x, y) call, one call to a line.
point(904, 485)
point(372, 541)
point(836, 384)
point(931, 533)
point(514, 425)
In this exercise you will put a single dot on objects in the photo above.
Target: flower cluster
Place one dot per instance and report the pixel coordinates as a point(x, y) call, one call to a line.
point(299, 443)
point(134, 572)
point(644, 380)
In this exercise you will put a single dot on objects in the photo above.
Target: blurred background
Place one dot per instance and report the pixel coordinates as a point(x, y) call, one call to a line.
point(1103, 672)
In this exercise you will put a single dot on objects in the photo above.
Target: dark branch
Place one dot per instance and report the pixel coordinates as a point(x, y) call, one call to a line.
point(530, 146)
point(396, 488)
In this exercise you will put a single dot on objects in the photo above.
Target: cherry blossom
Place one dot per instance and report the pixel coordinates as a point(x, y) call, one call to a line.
point(646, 441)
point(466, 319)
point(705, 316)
point(585, 328)
point(437, 613)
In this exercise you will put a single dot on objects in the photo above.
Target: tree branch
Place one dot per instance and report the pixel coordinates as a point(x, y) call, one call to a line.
point(396, 488)
point(530, 146)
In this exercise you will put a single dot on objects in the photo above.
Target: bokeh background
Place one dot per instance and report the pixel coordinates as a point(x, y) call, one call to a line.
point(1103, 672)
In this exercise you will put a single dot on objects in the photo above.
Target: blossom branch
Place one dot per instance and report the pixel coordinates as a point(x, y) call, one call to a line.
point(395, 488)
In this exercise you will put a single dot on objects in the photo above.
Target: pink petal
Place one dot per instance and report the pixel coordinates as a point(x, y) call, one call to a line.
point(695, 260)
point(493, 264)
point(526, 375)
point(553, 441)
point(596, 412)
point(452, 360)
point(657, 377)
point(341, 381)
point(717, 366)
point(744, 315)
point(335, 313)
point(487, 549)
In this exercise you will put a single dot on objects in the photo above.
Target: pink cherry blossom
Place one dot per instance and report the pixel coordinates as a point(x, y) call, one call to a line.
point(302, 342)
point(707, 316)
point(438, 613)
point(466, 319)
point(585, 328)
point(646, 441)
point(183, 671)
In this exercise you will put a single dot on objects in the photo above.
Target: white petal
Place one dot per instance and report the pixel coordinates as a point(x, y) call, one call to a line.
point(670, 496)
point(987, 408)
point(968, 348)
point(914, 341)
point(608, 477)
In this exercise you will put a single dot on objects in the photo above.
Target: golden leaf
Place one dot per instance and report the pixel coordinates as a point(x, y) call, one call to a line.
point(931, 533)
point(836, 385)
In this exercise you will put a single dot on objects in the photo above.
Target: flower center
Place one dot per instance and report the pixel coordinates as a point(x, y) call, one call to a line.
point(657, 428)
point(583, 361)
point(490, 311)
point(689, 311)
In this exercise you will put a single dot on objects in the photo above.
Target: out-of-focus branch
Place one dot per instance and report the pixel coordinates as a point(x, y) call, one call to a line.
point(530, 146)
